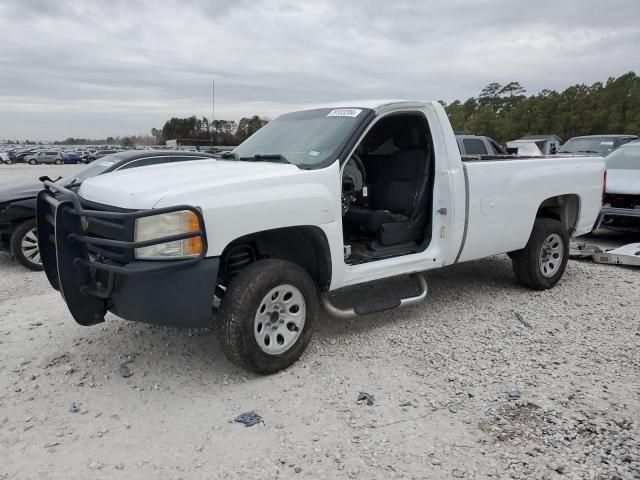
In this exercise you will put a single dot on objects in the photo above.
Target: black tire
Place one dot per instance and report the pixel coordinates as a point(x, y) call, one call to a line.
point(58, 161)
point(536, 269)
point(30, 258)
point(244, 297)
point(33, 161)
point(9, 161)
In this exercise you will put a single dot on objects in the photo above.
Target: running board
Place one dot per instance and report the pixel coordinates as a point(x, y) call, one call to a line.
point(379, 306)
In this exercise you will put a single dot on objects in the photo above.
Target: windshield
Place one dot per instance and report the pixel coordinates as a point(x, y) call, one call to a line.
point(303, 138)
point(599, 145)
point(96, 168)
point(624, 158)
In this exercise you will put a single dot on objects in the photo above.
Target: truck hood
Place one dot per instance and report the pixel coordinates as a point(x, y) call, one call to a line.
point(145, 187)
point(623, 182)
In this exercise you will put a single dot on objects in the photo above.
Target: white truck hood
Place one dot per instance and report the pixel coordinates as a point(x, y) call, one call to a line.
point(144, 187)
point(623, 182)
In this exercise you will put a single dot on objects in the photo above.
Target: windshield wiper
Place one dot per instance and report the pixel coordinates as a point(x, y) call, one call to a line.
point(266, 157)
point(228, 155)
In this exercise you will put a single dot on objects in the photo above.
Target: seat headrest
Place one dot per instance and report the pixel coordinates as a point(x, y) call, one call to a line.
point(409, 138)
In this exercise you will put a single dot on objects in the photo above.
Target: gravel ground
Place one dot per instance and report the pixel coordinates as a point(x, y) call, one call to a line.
point(20, 171)
point(463, 388)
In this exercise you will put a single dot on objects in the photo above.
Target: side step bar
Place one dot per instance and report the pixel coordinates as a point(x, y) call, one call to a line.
point(379, 306)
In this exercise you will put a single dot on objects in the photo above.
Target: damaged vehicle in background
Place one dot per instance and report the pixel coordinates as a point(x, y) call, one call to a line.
point(18, 199)
point(621, 202)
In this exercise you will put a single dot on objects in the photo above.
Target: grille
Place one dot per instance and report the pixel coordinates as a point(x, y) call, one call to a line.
point(111, 229)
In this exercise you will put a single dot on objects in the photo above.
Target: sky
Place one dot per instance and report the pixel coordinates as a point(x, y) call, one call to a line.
point(93, 69)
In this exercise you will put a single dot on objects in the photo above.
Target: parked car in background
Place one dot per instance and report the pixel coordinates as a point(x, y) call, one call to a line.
point(529, 144)
point(595, 144)
point(473, 145)
point(45, 156)
point(621, 202)
point(72, 157)
point(84, 155)
point(101, 153)
point(22, 155)
point(18, 199)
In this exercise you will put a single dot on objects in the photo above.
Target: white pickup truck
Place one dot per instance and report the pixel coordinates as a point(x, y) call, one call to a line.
point(315, 201)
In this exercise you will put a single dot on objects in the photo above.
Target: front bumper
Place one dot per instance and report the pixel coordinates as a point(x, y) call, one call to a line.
point(89, 256)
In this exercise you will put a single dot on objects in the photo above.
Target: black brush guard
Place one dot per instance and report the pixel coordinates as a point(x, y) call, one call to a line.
point(95, 274)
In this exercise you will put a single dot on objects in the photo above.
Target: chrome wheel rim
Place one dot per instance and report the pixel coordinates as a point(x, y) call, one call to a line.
point(29, 247)
point(551, 255)
point(279, 320)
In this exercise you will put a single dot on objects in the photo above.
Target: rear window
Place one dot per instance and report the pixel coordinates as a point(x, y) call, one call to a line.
point(624, 158)
point(474, 146)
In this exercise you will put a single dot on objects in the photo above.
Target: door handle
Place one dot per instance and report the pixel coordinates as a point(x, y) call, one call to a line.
point(442, 211)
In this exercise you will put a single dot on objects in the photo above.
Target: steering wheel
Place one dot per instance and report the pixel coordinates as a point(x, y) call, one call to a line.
point(360, 166)
point(349, 196)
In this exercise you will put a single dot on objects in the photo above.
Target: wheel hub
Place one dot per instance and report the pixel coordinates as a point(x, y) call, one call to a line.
point(29, 246)
point(279, 319)
point(551, 255)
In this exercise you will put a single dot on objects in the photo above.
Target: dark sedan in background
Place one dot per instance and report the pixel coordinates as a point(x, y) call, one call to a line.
point(18, 199)
point(595, 144)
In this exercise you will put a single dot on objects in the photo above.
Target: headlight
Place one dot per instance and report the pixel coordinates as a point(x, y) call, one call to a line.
point(164, 225)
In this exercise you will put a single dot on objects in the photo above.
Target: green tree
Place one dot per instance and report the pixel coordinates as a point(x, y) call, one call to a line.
point(127, 142)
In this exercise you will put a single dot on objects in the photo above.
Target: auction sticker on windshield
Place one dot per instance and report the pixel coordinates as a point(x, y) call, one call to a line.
point(344, 112)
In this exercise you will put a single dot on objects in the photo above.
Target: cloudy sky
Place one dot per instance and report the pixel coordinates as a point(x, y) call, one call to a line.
point(97, 68)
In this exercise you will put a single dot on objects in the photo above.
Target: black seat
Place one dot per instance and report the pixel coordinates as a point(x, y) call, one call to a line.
point(396, 212)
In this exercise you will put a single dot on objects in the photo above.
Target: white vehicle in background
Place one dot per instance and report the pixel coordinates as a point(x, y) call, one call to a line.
point(535, 145)
point(315, 201)
point(524, 148)
point(621, 202)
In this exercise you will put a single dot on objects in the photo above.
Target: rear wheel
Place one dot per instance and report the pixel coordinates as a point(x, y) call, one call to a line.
point(24, 246)
point(58, 161)
point(267, 316)
point(541, 264)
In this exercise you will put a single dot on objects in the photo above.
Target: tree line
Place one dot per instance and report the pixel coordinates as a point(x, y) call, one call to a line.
point(505, 112)
point(201, 130)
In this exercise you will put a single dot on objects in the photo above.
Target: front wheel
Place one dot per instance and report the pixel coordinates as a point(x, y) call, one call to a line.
point(542, 262)
point(267, 316)
point(24, 246)
point(32, 161)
